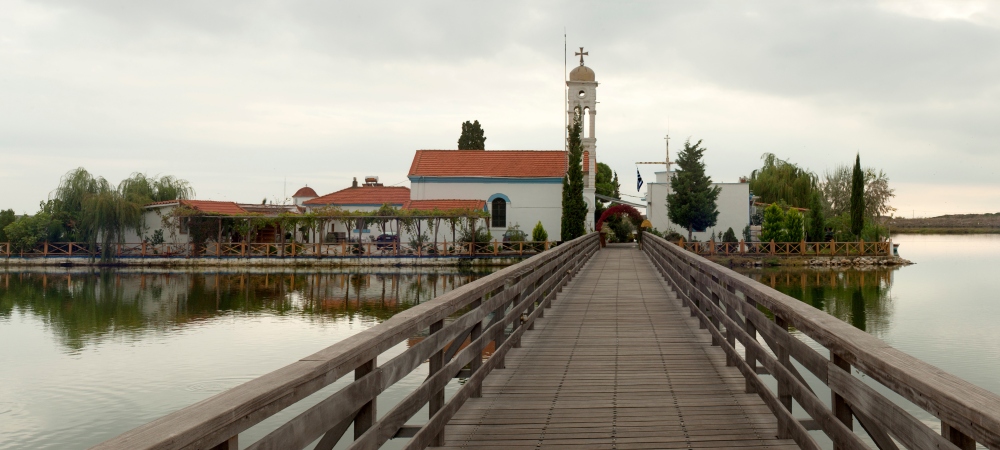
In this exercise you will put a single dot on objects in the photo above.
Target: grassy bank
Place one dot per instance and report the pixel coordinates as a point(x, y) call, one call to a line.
point(949, 224)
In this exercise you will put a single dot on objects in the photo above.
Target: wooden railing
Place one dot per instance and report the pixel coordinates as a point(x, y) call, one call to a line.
point(286, 250)
point(803, 248)
point(735, 309)
point(496, 309)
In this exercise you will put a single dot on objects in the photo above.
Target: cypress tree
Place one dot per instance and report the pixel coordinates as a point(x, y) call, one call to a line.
point(857, 198)
point(472, 137)
point(691, 201)
point(817, 229)
point(574, 209)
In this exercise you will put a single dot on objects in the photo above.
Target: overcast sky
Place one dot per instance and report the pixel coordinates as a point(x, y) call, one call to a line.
point(244, 97)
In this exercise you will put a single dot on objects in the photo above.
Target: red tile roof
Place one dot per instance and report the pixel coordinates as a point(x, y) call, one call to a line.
point(213, 207)
point(305, 192)
point(364, 195)
point(444, 205)
point(489, 163)
point(206, 206)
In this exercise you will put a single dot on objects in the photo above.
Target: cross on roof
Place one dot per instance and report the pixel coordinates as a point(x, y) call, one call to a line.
point(581, 54)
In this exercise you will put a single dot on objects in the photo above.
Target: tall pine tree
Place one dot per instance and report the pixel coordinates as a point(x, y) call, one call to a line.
point(691, 201)
point(857, 198)
point(472, 137)
point(574, 209)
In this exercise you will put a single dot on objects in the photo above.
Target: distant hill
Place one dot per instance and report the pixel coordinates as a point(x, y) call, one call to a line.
point(949, 224)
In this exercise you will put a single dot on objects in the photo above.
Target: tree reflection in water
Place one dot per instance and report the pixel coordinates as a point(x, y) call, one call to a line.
point(861, 297)
point(84, 306)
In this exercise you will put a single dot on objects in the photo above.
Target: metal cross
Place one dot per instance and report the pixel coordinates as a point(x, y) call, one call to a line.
point(581, 54)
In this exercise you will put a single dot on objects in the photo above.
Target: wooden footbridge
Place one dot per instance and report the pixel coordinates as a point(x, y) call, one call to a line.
point(604, 349)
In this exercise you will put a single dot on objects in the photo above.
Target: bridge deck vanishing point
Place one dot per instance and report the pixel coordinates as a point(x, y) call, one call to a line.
point(617, 362)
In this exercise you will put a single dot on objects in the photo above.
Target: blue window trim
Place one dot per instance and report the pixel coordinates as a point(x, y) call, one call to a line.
point(496, 196)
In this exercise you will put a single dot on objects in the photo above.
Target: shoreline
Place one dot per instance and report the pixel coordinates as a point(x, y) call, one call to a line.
point(809, 261)
point(238, 262)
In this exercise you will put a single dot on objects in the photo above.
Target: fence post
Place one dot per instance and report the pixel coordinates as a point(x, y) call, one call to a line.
point(861, 248)
point(772, 247)
point(802, 247)
point(436, 402)
point(70, 249)
point(957, 437)
point(841, 410)
point(743, 246)
point(367, 414)
point(143, 249)
point(833, 247)
point(784, 393)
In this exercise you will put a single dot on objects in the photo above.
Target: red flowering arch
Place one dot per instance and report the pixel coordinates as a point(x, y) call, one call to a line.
point(621, 210)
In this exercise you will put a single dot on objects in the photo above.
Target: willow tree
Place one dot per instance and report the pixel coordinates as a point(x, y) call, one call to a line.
point(96, 212)
point(779, 180)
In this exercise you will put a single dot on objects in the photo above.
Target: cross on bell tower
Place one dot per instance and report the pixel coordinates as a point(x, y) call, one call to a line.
point(581, 100)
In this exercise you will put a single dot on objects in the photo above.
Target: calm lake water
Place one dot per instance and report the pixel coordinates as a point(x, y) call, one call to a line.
point(86, 355)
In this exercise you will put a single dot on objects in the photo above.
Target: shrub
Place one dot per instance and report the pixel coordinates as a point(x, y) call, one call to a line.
point(793, 226)
point(729, 236)
point(538, 234)
point(481, 235)
point(773, 228)
point(28, 231)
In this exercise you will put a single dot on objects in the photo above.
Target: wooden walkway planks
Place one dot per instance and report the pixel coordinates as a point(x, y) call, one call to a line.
point(615, 363)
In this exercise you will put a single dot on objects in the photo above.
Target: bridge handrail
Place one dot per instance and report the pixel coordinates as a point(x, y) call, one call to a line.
point(510, 298)
point(727, 304)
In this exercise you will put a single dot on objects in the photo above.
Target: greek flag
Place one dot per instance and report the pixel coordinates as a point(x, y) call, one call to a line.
point(638, 183)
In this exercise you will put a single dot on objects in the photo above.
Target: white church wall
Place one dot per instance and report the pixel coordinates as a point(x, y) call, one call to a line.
point(733, 205)
point(530, 201)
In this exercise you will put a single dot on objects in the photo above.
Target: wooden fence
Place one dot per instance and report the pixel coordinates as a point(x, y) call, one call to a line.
point(496, 309)
point(286, 250)
point(803, 248)
point(735, 309)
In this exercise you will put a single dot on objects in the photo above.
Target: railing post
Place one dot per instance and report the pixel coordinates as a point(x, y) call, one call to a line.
point(70, 249)
point(232, 443)
point(957, 437)
point(841, 410)
point(748, 353)
point(477, 362)
point(45, 249)
point(743, 246)
point(437, 398)
point(861, 247)
point(772, 247)
point(784, 393)
point(367, 414)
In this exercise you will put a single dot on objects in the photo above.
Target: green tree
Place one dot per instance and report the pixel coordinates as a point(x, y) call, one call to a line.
point(780, 180)
point(538, 233)
point(7, 217)
point(729, 235)
point(691, 202)
point(773, 228)
point(473, 137)
point(857, 198)
point(28, 231)
point(793, 225)
point(574, 209)
point(816, 223)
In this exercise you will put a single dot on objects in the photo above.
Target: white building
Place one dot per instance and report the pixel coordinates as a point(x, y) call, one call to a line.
point(159, 221)
point(519, 187)
point(733, 205)
point(366, 197)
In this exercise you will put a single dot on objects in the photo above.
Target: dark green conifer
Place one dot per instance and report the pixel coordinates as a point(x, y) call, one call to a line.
point(857, 198)
point(574, 209)
point(691, 201)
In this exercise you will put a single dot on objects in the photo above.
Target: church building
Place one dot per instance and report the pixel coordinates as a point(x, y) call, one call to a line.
point(520, 187)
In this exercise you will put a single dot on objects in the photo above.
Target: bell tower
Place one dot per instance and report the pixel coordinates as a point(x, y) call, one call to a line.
point(581, 98)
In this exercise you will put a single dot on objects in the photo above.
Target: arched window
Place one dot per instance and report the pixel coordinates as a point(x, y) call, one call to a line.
point(499, 213)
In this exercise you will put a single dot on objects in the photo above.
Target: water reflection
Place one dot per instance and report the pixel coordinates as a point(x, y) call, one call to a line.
point(84, 307)
point(861, 297)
